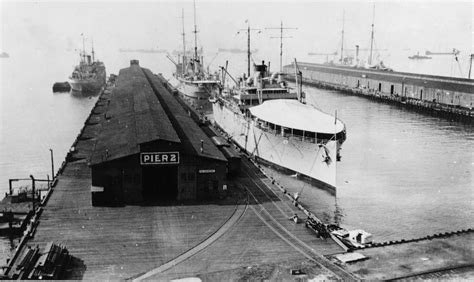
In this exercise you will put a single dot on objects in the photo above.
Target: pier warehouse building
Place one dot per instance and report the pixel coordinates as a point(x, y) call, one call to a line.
point(149, 150)
point(449, 91)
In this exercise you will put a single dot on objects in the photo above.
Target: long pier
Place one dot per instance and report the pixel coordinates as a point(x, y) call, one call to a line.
point(245, 235)
point(446, 97)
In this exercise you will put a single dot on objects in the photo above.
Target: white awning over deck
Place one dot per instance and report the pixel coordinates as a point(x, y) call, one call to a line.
point(293, 114)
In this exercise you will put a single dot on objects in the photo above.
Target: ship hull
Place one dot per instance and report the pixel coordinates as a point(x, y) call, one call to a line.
point(196, 90)
point(317, 162)
point(85, 86)
point(90, 85)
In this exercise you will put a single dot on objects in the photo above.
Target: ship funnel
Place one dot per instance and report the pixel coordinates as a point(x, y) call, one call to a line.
point(299, 84)
point(88, 59)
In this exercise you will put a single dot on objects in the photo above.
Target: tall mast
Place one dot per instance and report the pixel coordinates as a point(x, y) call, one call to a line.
point(248, 49)
point(470, 66)
point(93, 59)
point(342, 38)
point(372, 36)
point(248, 43)
point(195, 38)
point(281, 28)
point(184, 44)
point(281, 44)
point(83, 48)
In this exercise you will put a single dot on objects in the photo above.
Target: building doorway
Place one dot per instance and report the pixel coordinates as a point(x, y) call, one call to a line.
point(159, 183)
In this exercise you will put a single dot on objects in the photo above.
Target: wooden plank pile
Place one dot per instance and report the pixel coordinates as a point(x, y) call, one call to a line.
point(51, 263)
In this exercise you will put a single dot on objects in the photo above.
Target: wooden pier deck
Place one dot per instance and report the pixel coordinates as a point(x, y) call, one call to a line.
point(126, 242)
point(115, 243)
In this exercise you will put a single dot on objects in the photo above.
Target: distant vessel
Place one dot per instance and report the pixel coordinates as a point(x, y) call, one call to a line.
point(189, 53)
point(236, 50)
point(4, 55)
point(195, 81)
point(417, 56)
point(143, 50)
point(89, 76)
point(454, 52)
point(356, 62)
point(272, 122)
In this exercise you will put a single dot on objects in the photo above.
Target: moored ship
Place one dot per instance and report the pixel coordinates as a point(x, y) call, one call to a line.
point(89, 76)
point(194, 81)
point(273, 123)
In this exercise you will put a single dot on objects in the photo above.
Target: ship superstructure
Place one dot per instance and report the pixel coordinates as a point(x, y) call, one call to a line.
point(194, 80)
point(272, 122)
point(89, 76)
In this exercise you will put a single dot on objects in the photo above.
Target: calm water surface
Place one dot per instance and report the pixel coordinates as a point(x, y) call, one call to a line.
point(402, 174)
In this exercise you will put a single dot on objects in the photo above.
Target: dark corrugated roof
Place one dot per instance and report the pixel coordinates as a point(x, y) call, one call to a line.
point(134, 116)
point(219, 141)
point(190, 133)
point(230, 152)
point(428, 81)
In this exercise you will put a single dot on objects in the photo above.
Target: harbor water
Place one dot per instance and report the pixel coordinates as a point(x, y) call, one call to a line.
point(403, 174)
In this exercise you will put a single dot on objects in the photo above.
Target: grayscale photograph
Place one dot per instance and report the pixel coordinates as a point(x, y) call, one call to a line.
point(236, 140)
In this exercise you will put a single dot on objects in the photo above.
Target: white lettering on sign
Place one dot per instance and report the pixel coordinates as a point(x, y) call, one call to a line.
point(207, 171)
point(97, 188)
point(159, 158)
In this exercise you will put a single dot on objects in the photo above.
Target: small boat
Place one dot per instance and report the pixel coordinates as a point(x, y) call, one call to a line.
point(353, 238)
point(61, 87)
point(417, 56)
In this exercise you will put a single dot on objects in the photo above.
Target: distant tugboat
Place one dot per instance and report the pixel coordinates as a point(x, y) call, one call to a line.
point(89, 76)
point(417, 56)
point(195, 81)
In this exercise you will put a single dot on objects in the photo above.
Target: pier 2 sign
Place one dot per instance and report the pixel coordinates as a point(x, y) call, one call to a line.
point(159, 158)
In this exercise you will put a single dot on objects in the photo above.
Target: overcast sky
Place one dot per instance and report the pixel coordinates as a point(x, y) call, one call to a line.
point(50, 26)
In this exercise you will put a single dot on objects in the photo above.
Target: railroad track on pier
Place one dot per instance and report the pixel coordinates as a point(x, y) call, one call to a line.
point(263, 202)
point(232, 221)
